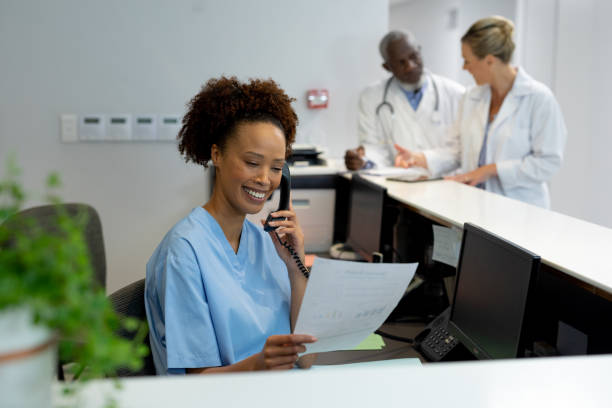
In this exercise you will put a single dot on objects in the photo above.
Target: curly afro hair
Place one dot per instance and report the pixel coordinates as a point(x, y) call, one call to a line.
point(223, 104)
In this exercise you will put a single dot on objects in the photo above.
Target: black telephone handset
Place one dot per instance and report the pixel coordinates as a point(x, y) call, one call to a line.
point(283, 204)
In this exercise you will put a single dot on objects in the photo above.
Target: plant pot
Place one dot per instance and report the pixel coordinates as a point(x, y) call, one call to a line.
point(28, 358)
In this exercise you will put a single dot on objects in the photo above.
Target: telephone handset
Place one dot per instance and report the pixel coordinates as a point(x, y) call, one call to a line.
point(283, 204)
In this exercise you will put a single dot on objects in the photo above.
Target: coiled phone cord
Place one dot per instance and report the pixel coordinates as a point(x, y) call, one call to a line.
point(295, 256)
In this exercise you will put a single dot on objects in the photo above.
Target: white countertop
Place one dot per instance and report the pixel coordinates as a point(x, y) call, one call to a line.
point(555, 382)
point(578, 248)
point(573, 246)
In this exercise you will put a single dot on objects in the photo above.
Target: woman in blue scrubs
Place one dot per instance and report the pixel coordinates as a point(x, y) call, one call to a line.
point(221, 294)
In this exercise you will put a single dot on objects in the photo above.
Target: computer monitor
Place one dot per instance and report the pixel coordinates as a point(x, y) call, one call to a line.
point(365, 227)
point(495, 280)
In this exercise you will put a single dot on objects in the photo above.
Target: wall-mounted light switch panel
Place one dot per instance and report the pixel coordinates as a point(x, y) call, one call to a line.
point(119, 127)
point(69, 128)
point(91, 127)
point(168, 127)
point(144, 127)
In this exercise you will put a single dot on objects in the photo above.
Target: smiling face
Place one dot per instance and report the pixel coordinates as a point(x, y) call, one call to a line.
point(249, 168)
point(480, 68)
point(404, 61)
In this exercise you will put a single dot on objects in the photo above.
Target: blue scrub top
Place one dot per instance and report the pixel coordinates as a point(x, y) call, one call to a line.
point(208, 306)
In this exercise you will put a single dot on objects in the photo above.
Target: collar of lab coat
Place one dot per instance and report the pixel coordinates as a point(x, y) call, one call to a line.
point(523, 85)
point(398, 97)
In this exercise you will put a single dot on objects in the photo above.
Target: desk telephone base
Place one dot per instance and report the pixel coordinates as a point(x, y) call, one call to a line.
point(435, 343)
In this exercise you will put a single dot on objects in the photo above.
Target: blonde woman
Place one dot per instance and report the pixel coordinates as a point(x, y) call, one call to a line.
point(510, 135)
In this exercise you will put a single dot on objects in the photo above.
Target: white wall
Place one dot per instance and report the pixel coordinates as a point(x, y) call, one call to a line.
point(139, 56)
point(582, 83)
point(537, 34)
point(601, 89)
point(566, 47)
point(438, 33)
point(573, 73)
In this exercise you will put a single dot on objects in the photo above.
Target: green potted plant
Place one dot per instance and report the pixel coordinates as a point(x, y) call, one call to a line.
point(49, 304)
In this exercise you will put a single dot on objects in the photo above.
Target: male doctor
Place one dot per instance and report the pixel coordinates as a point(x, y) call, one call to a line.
point(413, 108)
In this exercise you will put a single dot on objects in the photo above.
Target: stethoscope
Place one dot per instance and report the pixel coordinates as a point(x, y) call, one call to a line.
point(388, 132)
point(435, 117)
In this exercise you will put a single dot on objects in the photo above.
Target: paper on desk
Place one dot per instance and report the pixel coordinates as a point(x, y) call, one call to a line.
point(346, 301)
point(416, 172)
point(447, 245)
point(372, 342)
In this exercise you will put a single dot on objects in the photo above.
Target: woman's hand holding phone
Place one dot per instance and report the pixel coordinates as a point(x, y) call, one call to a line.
point(289, 231)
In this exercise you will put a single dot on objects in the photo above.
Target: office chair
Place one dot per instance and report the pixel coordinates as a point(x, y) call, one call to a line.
point(129, 302)
point(46, 215)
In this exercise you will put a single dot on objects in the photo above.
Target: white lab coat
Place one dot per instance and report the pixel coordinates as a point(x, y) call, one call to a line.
point(526, 140)
point(416, 130)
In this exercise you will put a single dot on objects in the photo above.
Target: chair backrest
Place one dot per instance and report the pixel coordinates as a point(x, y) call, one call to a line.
point(46, 216)
point(129, 302)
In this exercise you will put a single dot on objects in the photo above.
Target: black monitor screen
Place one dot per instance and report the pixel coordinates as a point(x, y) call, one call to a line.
point(493, 281)
point(366, 214)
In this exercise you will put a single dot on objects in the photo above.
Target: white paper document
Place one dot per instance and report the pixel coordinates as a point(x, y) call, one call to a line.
point(346, 301)
point(447, 245)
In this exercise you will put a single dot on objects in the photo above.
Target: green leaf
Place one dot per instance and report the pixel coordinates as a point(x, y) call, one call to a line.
point(50, 271)
point(54, 180)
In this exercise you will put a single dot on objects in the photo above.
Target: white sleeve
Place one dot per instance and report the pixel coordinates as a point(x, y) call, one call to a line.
point(444, 159)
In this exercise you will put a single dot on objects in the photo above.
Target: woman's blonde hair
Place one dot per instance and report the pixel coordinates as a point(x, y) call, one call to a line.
point(491, 35)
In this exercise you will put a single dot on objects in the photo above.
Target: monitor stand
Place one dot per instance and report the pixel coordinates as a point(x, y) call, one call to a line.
point(424, 299)
point(413, 240)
